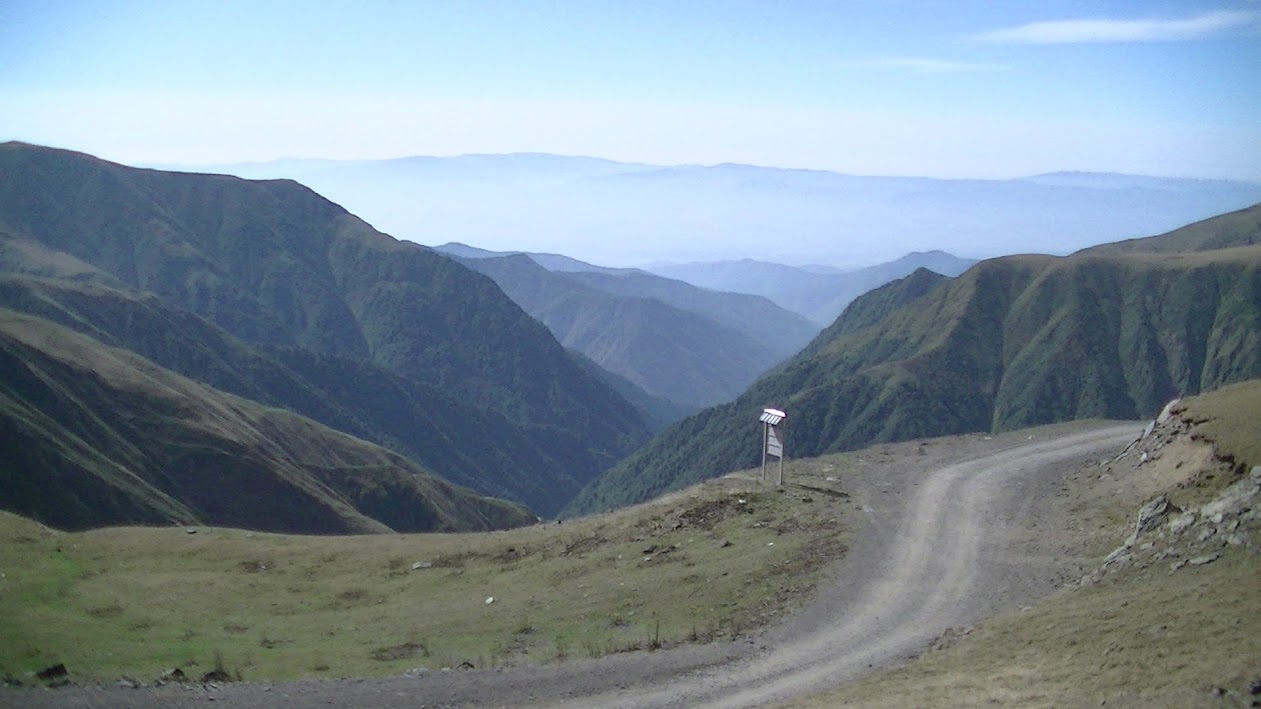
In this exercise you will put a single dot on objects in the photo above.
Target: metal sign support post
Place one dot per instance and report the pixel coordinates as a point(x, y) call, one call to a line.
point(766, 432)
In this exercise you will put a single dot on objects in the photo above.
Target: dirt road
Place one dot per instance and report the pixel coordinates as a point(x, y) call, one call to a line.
point(944, 547)
point(933, 559)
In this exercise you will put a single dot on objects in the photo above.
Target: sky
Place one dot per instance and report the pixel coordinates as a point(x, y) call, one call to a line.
point(939, 88)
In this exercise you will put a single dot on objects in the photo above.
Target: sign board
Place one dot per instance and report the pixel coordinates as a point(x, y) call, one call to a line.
point(774, 446)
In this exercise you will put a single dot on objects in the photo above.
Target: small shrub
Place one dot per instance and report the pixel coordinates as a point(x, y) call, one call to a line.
point(562, 647)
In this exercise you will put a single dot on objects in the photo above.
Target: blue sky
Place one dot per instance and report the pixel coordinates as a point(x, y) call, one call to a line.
point(942, 88)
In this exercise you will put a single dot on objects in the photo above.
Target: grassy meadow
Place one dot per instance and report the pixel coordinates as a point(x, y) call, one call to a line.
point(703, 564)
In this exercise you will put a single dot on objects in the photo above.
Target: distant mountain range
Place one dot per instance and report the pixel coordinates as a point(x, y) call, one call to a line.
point(623, 214)
point(818, 294)
point(205, 349)
point(267, 291)
point(691, 346)
point(1109, 332)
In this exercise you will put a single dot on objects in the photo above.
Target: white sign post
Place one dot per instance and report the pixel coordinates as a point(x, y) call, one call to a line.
point(773, 436)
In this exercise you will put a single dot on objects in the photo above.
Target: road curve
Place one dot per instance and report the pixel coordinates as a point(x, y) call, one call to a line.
point(918, 573)
point(944, 547)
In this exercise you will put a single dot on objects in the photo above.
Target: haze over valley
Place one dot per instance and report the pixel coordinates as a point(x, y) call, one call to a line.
point(637, 215)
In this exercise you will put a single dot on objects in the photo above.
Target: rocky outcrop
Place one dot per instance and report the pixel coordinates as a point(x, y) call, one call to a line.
point(1170, 537)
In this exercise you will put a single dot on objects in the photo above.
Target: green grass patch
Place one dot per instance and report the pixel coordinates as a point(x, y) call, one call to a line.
point(704, 564)
point(1231, 418)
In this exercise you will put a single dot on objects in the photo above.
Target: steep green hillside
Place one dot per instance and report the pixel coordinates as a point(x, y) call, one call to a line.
point(876, 305)
point(351, 395)
point(97, 435)
point(687, 358)
point(285, 271)
point(1013, 342)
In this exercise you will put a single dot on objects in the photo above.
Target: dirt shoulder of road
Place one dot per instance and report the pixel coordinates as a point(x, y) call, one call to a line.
point(1167, 608)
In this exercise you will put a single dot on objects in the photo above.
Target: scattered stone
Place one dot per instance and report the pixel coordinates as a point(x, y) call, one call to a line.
point(1177, 565)
point(1118, 556)
point(725, 543)
point(1167, 412)
point(416, 672)
point(174, 674)
point(190, 530)
point(1206, 559)
point(422, 565)
point(490, 600)
point(1151, 516)
point(1181, 522)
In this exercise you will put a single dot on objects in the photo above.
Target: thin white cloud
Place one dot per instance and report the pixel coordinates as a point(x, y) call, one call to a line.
point(926, 65)
point(1109, 30)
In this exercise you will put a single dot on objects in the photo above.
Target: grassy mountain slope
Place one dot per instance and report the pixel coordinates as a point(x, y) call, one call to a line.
point(1013, 342)
point(115, 438)
point(658, 411)
point(353, 396)
point(687, 358)
point(277, 266)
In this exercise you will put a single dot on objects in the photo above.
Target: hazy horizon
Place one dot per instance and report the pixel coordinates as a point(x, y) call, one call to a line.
point(635, 214)
point(933, 88)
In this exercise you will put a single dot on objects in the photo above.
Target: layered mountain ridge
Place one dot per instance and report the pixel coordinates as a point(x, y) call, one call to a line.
point(273, 291)
point(692, 347)
point(1012, 342)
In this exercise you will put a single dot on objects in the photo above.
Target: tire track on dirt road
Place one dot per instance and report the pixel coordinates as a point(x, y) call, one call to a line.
point(907, 581)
